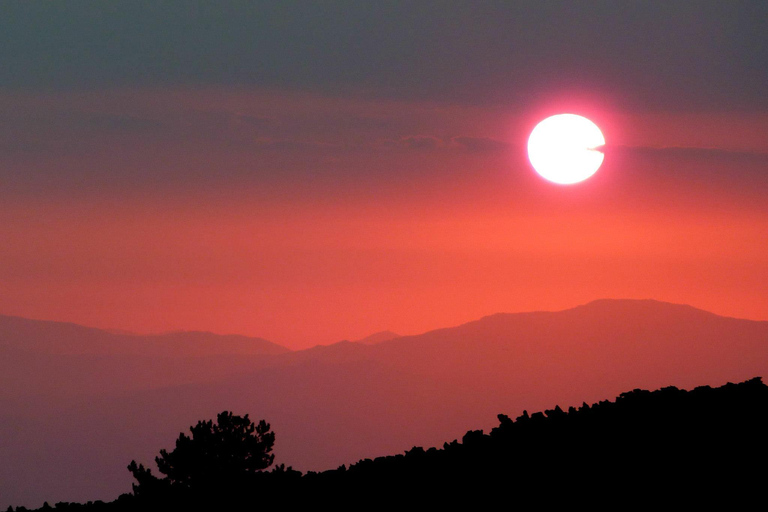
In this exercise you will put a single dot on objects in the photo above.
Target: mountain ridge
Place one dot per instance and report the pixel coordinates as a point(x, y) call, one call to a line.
point(602, 306)
point(59, 337)
point(336, 404)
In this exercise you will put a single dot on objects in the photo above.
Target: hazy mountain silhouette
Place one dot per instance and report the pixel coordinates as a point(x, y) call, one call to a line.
point(337, 404)
point(378, 337)
point(56, 359)
point(45, 337)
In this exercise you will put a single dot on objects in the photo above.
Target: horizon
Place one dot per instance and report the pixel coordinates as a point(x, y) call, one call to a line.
point(309, 344)
point(308, 173)
point(241, 168)
point(78, 407)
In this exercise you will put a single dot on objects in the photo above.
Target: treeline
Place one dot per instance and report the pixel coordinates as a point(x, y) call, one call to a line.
point(668, 448)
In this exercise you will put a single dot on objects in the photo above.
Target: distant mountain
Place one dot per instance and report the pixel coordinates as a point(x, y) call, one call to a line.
point(378, 337)
point(337, 404)
point(44, 337)
point(57, 359)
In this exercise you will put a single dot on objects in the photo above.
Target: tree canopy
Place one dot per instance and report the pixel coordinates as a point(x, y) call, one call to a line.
point(227, 450)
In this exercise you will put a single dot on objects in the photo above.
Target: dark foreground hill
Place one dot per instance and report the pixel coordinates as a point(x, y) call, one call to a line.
point(67, 417)
point(669, 449)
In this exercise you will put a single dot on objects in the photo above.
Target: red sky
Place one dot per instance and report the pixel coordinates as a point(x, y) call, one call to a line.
point(308, 172)
point(305, 218)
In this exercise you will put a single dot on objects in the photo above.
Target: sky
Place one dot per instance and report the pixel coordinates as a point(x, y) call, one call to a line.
point(311, 172)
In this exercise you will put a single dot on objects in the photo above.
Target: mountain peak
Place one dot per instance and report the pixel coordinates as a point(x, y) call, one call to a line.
point(378, 337)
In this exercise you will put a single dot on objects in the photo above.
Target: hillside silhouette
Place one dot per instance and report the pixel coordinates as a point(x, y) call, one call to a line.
point(668, 447)
point(62, 431)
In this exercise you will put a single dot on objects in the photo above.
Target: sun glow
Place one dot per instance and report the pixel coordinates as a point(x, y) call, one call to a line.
point(566, 148)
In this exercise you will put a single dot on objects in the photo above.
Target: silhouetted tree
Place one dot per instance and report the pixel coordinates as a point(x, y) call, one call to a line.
point(690, 449)
point(147, 485)
point(226, 451)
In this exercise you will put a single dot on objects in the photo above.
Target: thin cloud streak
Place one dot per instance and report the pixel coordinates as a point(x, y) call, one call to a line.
point(689, 152)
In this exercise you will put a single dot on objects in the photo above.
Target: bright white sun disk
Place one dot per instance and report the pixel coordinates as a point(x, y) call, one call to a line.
point(566, 148)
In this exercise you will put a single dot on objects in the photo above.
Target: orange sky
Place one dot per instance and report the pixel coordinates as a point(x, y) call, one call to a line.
point(306, 219)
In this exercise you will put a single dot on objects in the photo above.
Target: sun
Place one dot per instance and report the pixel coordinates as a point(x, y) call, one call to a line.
point(566, 148)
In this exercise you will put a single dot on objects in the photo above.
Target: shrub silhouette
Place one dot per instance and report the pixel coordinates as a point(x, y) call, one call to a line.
point(667, 448)
point(223, 452)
